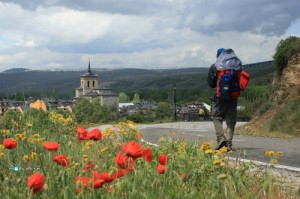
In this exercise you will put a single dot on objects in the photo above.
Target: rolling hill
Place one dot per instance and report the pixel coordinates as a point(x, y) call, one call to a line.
point(63, 83)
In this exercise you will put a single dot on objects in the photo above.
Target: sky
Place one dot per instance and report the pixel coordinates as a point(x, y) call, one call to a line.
point(147, 34)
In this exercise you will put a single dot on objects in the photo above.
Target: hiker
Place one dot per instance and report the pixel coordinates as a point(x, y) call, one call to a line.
point(202, 112)
point(225, 76)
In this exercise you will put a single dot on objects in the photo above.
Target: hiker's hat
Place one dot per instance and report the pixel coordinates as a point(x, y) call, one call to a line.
point(219, 51)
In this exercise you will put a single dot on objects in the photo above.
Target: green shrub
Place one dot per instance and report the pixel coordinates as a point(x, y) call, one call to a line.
point(9, 119)
point(284, 51)
point(265, 106)
point(287, 119)
point(91, 112)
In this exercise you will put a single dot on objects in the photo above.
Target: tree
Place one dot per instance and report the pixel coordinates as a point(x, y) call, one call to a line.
point(123, 97)
point(163, 110)
point(136, 98)
point(83, 110)
point(284, 51)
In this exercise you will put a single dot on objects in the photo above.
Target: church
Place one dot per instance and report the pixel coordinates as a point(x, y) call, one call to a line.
point(90, 89)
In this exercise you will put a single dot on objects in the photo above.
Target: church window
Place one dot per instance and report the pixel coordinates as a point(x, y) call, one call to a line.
point(93, 83)
point(88, 83)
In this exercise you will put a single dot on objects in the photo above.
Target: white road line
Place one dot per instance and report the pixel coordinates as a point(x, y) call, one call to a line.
point(277, 166)
point(237, 140)
point(184, 133)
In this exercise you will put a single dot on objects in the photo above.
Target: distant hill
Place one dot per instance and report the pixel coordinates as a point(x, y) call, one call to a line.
point(119, 80)
point(16, 70)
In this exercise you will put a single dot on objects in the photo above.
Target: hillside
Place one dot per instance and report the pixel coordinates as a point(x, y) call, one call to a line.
point(282, 115)
point(121, 80)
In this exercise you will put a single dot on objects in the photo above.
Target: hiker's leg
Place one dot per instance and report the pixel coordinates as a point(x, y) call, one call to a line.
point(217, 117)
point(230, 122)
point(217, 121)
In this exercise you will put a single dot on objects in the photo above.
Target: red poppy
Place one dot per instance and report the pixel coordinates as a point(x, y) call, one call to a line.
point(10, 143)
point(121, 160)
point(106, 178)
point(131, 165)
point(88, 166)
point(124, 161)
point(133, 149)
point(119, 173)
point(36, 182)
point(81, 181)
point(163, 159)
point(96, 175)
point(161, 169)
point(51, 146)
point(98, 183)
point(183, 176)
point(82, 133)
point(61, 160)
point(95, 134)
point(138, 137)
point(147, 155)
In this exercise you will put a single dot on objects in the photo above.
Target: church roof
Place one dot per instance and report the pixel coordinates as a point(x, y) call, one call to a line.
point(92, 93)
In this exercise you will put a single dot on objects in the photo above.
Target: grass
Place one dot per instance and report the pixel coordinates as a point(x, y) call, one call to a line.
point(191, 171)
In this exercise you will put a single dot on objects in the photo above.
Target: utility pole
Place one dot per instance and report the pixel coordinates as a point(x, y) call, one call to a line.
point(174, 90)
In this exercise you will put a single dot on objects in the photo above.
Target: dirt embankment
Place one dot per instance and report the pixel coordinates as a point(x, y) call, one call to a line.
point(285, 89)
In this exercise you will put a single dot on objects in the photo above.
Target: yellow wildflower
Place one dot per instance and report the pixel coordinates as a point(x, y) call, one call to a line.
point(33, 155)
point(217, 162)
point(223, 149)
point(269, 153)
point(102, 150)
point(181, 147)
point(26, 158)
point(21, 136)
point(132, 126)
point(217, 152)
point(2, 155)
point(40, 140)
point(209, 151)
point(5, 131)
point(205, 146)
point(279, 153)
point(85, 158)
point(29, 125)
point(36, 135)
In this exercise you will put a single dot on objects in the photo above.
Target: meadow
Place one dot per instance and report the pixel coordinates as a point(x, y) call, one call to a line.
point(49, 155)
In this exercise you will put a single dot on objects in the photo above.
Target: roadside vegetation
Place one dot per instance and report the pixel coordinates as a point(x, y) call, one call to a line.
point(50, 155)
point(280, 117)
point(285, 50)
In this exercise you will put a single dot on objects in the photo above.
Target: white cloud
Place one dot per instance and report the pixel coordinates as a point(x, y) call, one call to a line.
point(140, 33)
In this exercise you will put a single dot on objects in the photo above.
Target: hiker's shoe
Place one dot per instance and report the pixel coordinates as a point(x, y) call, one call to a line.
point(229, 148)
point(220, 144)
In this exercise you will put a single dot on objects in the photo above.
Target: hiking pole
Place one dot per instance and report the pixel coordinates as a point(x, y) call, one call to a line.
point(211, 103)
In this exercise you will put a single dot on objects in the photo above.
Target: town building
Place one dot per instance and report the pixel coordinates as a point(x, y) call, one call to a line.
point(91, 89)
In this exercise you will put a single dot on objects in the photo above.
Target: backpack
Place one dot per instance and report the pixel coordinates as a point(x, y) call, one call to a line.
point(230, 77)
point(228, 84)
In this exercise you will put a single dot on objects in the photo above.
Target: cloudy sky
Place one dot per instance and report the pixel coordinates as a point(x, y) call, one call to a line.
point(65, 34)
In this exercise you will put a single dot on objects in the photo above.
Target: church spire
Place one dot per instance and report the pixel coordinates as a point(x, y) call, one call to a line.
point(89, 68)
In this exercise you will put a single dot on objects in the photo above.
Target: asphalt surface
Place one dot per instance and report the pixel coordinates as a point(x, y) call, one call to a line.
point(246, 147)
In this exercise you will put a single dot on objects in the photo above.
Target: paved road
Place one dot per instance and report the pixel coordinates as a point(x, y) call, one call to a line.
point(247, 147)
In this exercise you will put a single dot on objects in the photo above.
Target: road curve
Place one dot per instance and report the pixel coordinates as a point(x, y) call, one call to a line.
point(246, 147)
